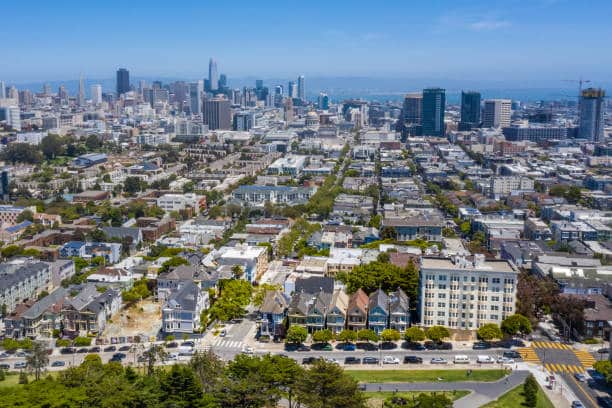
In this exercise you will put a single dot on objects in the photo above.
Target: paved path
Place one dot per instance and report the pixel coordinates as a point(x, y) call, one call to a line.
point(482, 392)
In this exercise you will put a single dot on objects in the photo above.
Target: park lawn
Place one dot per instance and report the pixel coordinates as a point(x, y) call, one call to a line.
point(381, 376)
point(514, 398)
point(376, 399)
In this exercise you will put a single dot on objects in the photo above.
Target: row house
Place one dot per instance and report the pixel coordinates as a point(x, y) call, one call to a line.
point(87, 311)
point(181, 312)
point(21, 280)
point(38, 320)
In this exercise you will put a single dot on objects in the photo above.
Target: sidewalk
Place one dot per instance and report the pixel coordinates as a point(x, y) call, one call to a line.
point(561, 396)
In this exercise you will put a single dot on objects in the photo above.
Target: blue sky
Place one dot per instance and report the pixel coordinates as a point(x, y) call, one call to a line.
point(475, 40)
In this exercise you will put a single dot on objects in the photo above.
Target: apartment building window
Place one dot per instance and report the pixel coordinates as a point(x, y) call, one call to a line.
point(442, 295)
point(442, 286)
point(495, 298)
point(441, 314)
point(442, 277)
point(495, 280)
point(441, 304)
point(494, 317)
point(441, 322)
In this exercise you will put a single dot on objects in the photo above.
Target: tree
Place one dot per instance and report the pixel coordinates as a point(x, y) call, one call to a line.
point(21, 153)
point(530, 391)
point(172, 263)
point(155, 353)
point(388, 233)
point(604, 367)
point(37, 359)
point(326, 385)
point(180, 387)
point(82, 341)
point(10, 344)
point(26, 215)
point(570, 309)
point(235, 297)
point(367, 335)
point(489, 331)
point(296, 334)
point(414, 334)
point(208, 368)
point(534, 295)
point(92, 142)
point(347, 336)
point(322, 336)
point(390, 335)
point(23, 378)
point(52, 146)
point(132, 185)
point(237, 271)
point(437, 333)
point(465, 227)
point(515, 324)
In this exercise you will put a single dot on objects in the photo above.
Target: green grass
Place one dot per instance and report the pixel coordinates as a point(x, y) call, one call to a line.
point(514, 398)
point(375, 376)
point(376, 399)
point(12, 379)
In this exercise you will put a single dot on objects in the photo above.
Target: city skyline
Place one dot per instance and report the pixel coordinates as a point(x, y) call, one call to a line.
point(552, 39)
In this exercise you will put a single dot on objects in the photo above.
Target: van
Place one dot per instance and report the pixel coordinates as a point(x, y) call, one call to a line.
point(485, 360)
point(461, 359)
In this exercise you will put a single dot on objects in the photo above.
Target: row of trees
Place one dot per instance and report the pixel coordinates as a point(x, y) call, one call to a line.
point(207, 382)
point(512, 325)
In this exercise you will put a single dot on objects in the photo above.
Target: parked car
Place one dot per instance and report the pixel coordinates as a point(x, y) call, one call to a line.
point(5, 366)
point(188, 344)
point(483, 359)
point(438, 360)
point(68, 350)
point(248, 350)
point(370, 360)
point(430, 345)
point(413, 360)
point(352, 360)
point(332, 360)
point(596, 375)
point(118, 357)
point(4, 355)
point(415, 346)
point(83, 350)
point(124, 348)
point(603, 350)
point(172, 356)
point(110, 349)
point(580, 377)
point(512, 354)
point(390, 360)
point(349, 347)
point(367, 346)
point(20, 365)
point(58, 363)
point(388, 345)
point(461, 359)
point(303, 347)
point(172, 344)
point(481, 345)
point(577, 404)
point(362, 387)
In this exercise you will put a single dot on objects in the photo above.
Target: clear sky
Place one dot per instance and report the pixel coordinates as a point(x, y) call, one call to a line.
point(458, 39)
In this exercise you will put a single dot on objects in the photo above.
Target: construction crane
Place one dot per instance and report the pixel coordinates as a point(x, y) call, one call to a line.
point(580, 82)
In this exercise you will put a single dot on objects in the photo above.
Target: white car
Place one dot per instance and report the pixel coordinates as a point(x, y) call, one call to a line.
point(173, 356)
point(248, 350)
point(332, 360)
point(438, 360)
point(390, 360)
point(505, 360)
point(485, 360)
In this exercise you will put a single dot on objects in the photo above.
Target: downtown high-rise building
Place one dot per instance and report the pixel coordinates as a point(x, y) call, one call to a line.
point(412, 108)
point(496, 113)
point(323, 101)
point(81, 94)
point(292, 89)
point(96, 94)
point(196, 95)
point(301, 88)
point(213, 75)
point(217, 114)
point(470, 110)
point(592, 114)
point(2, 90)
point(123, 81)
point(432, 114)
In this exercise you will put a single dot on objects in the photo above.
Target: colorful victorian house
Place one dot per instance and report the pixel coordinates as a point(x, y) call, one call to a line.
point(378, 311)
point(357, 311)
point(399, 310)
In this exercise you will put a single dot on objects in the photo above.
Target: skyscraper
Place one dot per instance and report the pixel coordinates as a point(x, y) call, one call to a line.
point(217, 113)
point(432, 114)
point(412, 108)
point(196, 93)
point(301, 90)
point(96, 94)
point(592, 114)
point(470, 110)
point(47, 89)
point(2, 90)
point(292, 89)
point(123, 81)
point(323, 101)
point(496, 113)
point(213, 76)
point(81, 94)
point(222, 81)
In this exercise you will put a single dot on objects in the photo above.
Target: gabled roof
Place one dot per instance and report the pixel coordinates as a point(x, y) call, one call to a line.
point(379, 299)
point(340, 301)
point(399, 302)
point(46, 303)
point(299, 303)
point(181, 272)
point(186, 297)
point(358, 300)
point(320, 303)
point(314, 284)
point(275, 302)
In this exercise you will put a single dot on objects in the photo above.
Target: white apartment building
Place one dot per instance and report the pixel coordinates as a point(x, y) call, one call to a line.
point(496, 113)
point(464, 294)
point(178, 202)
point(503, 186)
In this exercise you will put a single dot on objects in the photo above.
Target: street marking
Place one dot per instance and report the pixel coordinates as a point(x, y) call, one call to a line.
point(563, 368)
point(586, 394)
point(550, 345)
point(529, 355)
point(585, 358)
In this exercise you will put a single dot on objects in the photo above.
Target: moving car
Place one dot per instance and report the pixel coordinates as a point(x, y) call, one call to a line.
point(577, 404)
point(438, 360)
point(390, 360)
point(413, 360)
point(580, 377)
point(370, 360)
point(352, 360)
point(118, 357)
point(223, 333)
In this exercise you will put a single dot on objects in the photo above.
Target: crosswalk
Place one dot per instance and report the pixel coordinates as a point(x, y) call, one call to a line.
point(529, 355)
point(585, 358)
point(550, 345)
point(227, 343)
point(564, 368)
